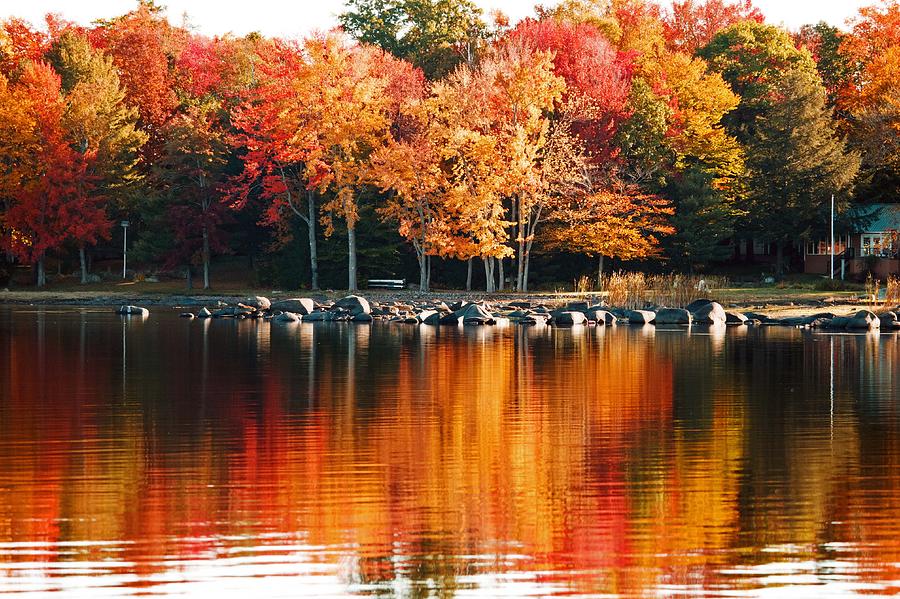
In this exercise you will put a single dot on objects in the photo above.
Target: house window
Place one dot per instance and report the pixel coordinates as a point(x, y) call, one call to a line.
point(877, 244)
point(821, 247)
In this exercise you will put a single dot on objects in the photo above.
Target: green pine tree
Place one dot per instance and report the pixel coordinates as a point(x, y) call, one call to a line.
point(796, 162)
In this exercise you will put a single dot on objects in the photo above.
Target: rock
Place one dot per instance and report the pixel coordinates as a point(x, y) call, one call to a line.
point(887, 318)
point(601, 317)
point(473, 311)
point(133, 311)
point(204, 313)
point(259, 302)
point(711, 313)
point(457, 306)
point(353, 304)
point(735, 318)
point(298, 305)
point(864, 321)
point(362, 318)
point(433, 319)
point(92, 278)
point(186, 315)
point(287, 317)
point(697, 304)
point(577, 307)
point(449, 319)
point(838, 322)
point(421, 317)
point(570, 318)
point(677, 316)
point(640, 316)
point(520, 304)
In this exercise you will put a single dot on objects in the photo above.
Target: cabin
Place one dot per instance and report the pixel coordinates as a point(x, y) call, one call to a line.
point(874, 246)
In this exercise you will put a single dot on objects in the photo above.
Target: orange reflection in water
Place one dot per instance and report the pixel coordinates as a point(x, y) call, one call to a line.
point(583, 461)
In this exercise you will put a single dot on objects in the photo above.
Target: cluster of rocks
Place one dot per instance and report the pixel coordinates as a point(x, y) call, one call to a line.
point(354, 308)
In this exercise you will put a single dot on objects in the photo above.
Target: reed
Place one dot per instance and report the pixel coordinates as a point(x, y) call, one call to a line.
point(892, 292)
point(637, 290)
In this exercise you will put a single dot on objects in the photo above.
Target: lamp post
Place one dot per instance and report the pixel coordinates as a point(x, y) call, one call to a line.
point(124, 224)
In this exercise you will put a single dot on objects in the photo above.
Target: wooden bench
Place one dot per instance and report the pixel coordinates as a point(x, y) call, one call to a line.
point(387, 283)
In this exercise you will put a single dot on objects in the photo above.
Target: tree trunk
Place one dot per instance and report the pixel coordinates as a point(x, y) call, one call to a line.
point(83, 260)
point(313, 250)
point(500, 275)
point(779, 259)
point(423, 271)
point(469, 274)
point(488, 274)
point(525, 274)
point(600, 273)
point(351, 258)
point(205, 258)
point(428, 277)
point(41, 275)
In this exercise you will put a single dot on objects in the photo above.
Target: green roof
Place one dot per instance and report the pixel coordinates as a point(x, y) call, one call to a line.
point(877, 218)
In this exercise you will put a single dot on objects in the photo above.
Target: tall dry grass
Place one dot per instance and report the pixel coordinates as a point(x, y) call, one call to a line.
point(892, 294)
point(636, 290)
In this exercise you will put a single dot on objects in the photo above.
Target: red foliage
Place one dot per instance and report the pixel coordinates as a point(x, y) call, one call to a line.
point(598, 78)
point(141, 45)
point(58, 203)
point(23, 44)
point(693, 23)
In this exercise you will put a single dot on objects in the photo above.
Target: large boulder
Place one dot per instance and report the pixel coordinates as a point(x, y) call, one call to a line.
point(640, 316)
point(711, 313)
point(601, 317)
point(287, 317)
point(259, 302)
point(577, 307)
point(736, 318)
point(570, 318)
point(889, 321)
point(449, 319)
point(133, 311)
point(864, 320)
point(353, 304)
point(204, 313)
point(424, 315)
point(697, 304)
point(677, 316)
point(362, 318)
point(298, 305)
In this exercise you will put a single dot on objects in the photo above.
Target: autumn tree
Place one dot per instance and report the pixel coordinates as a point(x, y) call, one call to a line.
point(692, 24)
point(97, 121)
point(868, 98)
point(144, 48)
point(188, 177)
point(344, 107)
point(620, 223)
point(54, 202)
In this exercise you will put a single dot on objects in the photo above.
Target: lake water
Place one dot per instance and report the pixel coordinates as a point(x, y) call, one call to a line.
point(243, 459)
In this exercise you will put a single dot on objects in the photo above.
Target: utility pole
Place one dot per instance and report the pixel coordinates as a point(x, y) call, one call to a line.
point(832, 236)
point(124, 224)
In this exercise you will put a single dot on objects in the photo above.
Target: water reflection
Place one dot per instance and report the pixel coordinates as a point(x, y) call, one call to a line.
point(178, 457)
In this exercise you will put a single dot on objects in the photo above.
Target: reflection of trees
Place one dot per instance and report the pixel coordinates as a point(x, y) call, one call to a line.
point(632, 457)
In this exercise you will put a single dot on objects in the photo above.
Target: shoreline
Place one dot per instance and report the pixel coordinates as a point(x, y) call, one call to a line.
point(785, 304)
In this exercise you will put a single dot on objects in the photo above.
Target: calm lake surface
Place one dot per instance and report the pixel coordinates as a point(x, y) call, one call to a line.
point(243, 459)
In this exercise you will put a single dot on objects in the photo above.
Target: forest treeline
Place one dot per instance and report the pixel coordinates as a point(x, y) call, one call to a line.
point(615, 129)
